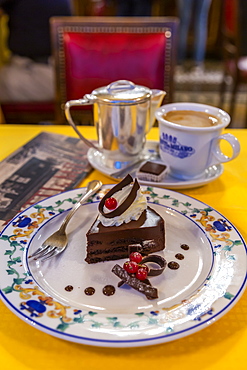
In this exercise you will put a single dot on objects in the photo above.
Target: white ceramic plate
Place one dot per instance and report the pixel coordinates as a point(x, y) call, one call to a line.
point(169, 182)
point(209, 281)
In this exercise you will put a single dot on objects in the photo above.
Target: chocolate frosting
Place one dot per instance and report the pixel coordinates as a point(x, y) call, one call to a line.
point(127, 202)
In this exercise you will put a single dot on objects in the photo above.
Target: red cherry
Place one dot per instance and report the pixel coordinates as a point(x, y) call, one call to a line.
point(141, 274)
point(145, 267)
point(111, 203)
point(136, 257)
point(131, 267)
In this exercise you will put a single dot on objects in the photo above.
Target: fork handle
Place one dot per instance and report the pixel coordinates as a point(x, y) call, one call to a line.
point(92, 188)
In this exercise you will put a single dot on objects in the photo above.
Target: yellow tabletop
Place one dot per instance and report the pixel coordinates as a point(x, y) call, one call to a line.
point(219, 346)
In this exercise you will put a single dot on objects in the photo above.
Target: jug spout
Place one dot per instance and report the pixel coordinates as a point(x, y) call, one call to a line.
point(156, 101)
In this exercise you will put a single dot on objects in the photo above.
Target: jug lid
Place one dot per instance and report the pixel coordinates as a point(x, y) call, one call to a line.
point(122, 92)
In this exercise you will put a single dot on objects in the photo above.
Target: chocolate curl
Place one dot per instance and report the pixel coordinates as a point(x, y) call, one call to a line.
point(149, 291)
point(128, 201)
point(155, 259)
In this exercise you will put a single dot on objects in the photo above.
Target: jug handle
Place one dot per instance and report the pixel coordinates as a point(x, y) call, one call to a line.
point(72, 103)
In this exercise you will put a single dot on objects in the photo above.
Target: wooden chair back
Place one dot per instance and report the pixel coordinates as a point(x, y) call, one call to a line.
point(90, 52)
point(230, 29)
point(234, 60)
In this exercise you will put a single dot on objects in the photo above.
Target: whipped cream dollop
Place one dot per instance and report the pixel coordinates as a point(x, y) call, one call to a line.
point(133, 212)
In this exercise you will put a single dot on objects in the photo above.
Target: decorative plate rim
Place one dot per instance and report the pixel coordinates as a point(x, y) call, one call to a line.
point(196, 314)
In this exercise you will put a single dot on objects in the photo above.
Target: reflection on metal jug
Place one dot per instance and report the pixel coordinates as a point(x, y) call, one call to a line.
point(123, 115)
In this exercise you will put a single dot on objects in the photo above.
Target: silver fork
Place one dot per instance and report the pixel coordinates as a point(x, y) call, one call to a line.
point(58, 241)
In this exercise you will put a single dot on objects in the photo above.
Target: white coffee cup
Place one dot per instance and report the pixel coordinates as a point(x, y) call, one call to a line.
point(190, 150)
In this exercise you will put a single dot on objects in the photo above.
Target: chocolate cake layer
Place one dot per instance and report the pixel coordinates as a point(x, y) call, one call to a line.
point(111, 243)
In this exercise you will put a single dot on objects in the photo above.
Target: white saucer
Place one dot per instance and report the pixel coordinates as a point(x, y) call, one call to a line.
point(169, 182)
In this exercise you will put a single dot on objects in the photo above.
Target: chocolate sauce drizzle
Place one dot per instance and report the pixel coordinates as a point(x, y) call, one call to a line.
point(69, 288)
point(89, 290)
point(108, 290)
point(173, 265)
point(127, 202)
point(185, 247)
point(179, 256)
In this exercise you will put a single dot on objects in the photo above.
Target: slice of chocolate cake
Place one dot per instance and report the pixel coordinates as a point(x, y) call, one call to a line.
point(127, 221)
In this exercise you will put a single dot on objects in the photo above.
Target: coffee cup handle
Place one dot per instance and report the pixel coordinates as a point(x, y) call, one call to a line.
point(219, 156)
point(87, 100)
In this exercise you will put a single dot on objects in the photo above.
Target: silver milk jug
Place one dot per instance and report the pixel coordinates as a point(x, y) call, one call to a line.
point(123, 115)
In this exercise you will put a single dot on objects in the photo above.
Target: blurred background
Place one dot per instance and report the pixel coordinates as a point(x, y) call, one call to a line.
point(198, 85)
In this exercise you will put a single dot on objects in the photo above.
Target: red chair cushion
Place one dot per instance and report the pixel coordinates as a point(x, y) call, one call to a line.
point(34, 112)
point(27, 107)
point(91, 62)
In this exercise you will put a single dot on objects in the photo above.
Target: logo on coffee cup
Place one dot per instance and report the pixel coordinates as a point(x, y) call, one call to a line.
point(170, 144)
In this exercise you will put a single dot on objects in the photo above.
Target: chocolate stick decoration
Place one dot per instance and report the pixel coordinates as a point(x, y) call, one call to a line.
point(135, 283)
point(149, 291)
